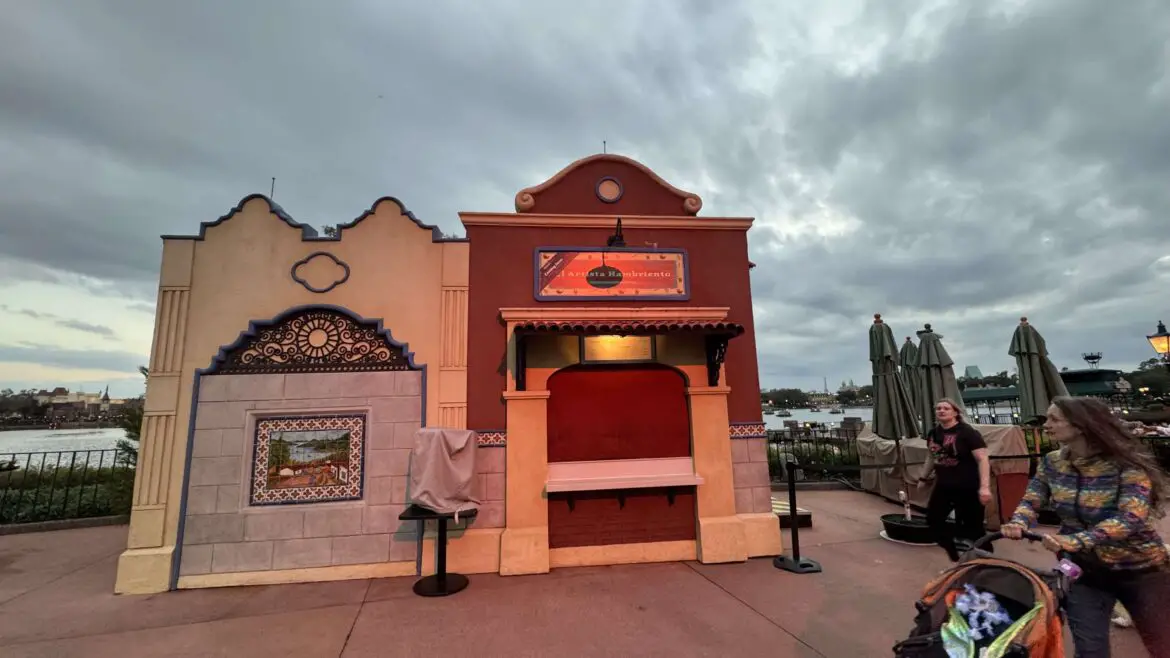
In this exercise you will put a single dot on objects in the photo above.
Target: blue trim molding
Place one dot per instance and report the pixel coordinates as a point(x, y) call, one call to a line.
point(308, 259)
point(308, 233)
point(216, 366)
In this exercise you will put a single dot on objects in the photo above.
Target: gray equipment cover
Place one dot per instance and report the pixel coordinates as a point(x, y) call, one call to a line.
point(442, 470)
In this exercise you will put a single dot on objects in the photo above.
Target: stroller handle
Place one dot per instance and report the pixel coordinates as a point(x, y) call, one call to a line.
point(996, 536)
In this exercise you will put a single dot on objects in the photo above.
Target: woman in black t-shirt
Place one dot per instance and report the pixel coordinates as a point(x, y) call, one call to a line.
point(958, 463)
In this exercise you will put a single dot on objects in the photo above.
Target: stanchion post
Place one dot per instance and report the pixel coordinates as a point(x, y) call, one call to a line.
point(794, 563)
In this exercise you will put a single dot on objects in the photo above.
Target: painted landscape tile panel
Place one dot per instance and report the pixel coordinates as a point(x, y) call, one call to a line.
point(308, 459)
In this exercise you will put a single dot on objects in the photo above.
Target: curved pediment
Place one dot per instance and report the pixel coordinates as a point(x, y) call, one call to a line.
point(310, 234)
point(313, 339)
point(607, 184)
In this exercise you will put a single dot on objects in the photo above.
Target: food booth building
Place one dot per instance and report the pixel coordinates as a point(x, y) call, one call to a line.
point(599, 340)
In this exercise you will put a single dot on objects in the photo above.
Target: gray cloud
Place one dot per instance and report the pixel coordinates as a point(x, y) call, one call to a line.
point(115, 361)
point(964, 165)
point(67, 323)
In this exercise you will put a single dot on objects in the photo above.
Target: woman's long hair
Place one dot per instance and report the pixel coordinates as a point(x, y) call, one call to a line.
point(957, 408)
point(1105, 433)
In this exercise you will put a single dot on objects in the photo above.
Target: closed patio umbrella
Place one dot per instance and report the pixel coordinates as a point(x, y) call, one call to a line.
point(910, 374)
point(1039, 379)
point(893, 411)
point(936, 368)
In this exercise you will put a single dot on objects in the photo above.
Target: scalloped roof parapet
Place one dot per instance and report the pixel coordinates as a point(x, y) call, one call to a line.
point(308, 233)
point(526, 198)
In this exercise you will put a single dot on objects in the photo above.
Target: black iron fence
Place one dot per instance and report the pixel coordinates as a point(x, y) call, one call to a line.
point(830, 454)
point(1160, 447)
point(53, 486)
point(995, 419)
point(825, 454)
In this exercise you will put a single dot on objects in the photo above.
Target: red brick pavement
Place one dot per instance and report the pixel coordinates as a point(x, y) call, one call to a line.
point(56, 600)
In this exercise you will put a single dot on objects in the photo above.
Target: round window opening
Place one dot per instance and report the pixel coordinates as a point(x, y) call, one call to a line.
point(609, 189)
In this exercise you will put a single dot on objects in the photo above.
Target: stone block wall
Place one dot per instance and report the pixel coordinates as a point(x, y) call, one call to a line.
point(223, 533)
point(489, 466)
point(749, 463)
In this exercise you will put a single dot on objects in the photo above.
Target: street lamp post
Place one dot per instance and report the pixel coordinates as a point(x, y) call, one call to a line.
point(1161, 343)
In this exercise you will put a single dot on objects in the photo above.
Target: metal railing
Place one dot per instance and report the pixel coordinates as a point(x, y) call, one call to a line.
point(830, 455)
point(1159, 446)
point(54, 486)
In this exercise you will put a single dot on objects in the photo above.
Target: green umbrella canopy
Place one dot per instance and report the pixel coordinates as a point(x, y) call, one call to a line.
point(1039, 379)
point(936, 369)
point(910, 372)
point(893, 411)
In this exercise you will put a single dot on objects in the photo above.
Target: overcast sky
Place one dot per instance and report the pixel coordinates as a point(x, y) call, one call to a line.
point(958, 163)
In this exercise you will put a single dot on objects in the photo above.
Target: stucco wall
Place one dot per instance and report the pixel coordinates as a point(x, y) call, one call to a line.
point(224, 534)
point(240, 269)
point(501, 270)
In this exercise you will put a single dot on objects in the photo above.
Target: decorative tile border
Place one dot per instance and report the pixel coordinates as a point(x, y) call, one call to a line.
point(748, 431)
point(348, 479)
point(492, 438)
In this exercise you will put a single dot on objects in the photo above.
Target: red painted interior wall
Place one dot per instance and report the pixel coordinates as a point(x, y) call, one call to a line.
point(617, 412)
point(599, 518)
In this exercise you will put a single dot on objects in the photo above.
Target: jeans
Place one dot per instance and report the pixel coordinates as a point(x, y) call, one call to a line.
point(1090, 607)
point(968, 516)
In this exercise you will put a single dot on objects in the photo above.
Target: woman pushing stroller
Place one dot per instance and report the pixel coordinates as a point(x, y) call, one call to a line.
point(1106, 490)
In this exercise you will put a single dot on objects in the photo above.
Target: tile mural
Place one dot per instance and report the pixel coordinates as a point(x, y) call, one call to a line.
point(308, 459)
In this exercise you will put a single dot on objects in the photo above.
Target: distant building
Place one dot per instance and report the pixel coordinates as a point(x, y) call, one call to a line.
point(973, 372)
point(819, 397)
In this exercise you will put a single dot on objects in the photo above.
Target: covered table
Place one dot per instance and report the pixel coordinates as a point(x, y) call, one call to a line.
point(1009, 477)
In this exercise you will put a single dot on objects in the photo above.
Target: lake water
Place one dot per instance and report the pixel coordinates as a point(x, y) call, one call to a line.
point(59, 440)
point(864, 413)
point(806, 416)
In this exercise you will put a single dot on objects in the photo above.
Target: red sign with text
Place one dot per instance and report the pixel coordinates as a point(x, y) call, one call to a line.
point(611, 274)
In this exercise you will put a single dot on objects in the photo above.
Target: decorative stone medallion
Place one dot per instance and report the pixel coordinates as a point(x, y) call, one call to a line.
point(320, 272)
point(314, 340)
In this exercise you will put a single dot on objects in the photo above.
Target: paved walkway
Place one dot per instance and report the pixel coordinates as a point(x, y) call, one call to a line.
point(55, 600)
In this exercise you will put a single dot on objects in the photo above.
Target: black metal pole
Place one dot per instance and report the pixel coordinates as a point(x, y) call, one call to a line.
point(441, 549)
point(794, 563)
point(793, 516)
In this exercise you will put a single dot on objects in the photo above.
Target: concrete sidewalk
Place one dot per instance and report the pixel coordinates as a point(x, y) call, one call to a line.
point(56, 600)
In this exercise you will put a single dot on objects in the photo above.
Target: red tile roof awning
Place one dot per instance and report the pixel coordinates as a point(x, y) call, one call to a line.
point(631, 327)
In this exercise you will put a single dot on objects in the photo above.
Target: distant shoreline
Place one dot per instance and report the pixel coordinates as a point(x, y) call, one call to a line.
point(94, 425)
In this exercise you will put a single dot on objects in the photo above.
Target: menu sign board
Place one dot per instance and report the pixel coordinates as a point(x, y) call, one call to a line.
point(609, 274)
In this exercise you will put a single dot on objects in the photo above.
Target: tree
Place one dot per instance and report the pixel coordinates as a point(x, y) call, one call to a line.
point(131, 424)
point(1152, 375)
point(785, 397)
point(847, 397)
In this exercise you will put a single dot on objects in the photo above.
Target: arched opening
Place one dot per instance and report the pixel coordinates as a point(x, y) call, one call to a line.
point(619, 411)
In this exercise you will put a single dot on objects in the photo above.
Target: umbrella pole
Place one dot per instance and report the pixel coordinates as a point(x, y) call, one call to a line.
point(900, 460)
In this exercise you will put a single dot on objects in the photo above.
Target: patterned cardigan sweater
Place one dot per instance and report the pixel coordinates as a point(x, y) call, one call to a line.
point(1103, 508)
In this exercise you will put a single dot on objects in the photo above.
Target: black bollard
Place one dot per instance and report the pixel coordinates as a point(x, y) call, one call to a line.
point(795, 563)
